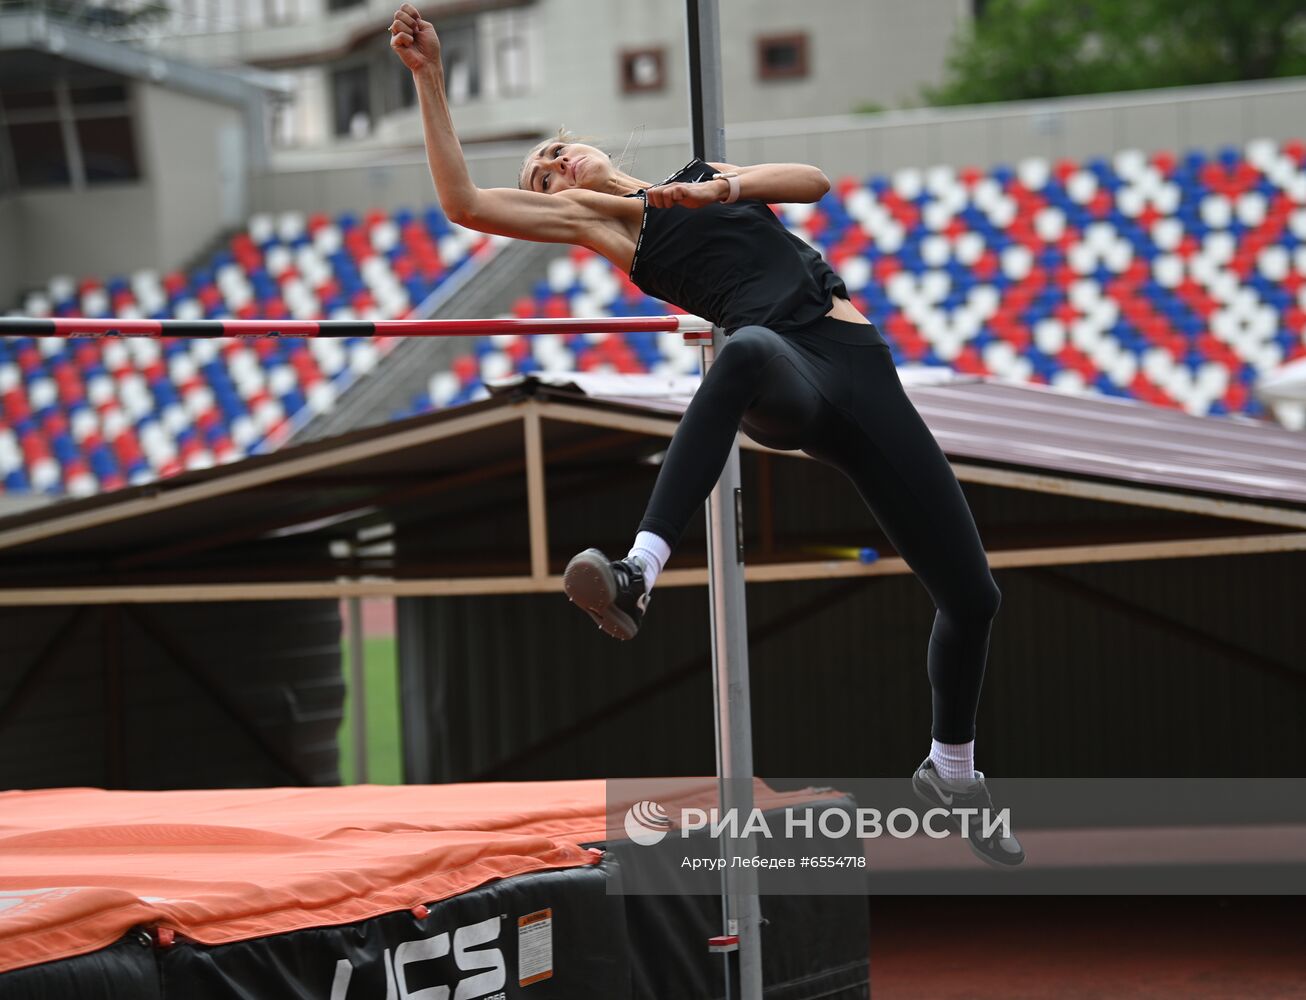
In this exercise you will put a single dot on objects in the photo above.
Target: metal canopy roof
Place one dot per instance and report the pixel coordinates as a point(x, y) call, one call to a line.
point(36, 45)
point(261, 527)
point(1037, 427)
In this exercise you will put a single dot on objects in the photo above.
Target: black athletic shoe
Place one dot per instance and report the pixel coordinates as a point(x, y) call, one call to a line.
point(612, 593)
point(933, 790)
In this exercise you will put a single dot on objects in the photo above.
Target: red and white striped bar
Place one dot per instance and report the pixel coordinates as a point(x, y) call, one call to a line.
point(76, 327)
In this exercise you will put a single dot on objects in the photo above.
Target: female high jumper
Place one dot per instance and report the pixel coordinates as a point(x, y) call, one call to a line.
point(801, 369)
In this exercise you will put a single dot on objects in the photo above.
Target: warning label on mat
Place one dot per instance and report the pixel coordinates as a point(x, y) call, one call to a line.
point(535, 947)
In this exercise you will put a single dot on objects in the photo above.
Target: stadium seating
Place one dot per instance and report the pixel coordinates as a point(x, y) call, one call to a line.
point(579, 283)
point(1173, 280)
point(81, 416)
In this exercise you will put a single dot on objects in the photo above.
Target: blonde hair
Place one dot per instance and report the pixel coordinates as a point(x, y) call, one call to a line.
point(563, 134)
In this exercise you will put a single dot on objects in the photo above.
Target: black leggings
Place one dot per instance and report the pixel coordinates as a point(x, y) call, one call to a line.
point(831, 390)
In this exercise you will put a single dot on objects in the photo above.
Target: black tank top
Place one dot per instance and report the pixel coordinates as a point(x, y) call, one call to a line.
point(736, 265)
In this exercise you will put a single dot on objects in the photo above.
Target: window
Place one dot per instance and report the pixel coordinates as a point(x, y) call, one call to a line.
point(104, 132)
point(40, 157)
point(405, 92)
point(30, 100)
point(505, 37)
point(782, 57)
point(72, 134)
point(35, 138)
point(108, 153)
point(642, 71)
point(282, 125)
point(91, 95)
point(351, 103)
point(280, 11)
point(462, 79)
point(510, 60)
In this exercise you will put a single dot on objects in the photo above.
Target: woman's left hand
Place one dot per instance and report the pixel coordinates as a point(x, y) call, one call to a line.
point(687, 195)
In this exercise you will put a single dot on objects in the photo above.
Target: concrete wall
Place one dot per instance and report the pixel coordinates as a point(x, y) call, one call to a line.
point(1174, 119)
point(94, 232)
point(883, 51)
point(197, 160)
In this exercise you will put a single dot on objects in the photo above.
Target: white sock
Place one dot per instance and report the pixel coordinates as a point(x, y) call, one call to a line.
point(955, 762)
point(653, 551)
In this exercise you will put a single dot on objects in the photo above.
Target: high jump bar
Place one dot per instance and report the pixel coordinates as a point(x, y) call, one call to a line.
point(77, 327)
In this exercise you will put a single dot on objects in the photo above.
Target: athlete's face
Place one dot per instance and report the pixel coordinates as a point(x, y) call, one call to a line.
point(558, 165)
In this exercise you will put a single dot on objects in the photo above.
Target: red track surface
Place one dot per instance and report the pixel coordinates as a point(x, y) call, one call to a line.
point(1088, 948)
point(378, 617)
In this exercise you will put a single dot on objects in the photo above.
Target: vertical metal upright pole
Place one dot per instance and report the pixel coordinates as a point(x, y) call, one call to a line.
point(357, 690)
point(729, 623)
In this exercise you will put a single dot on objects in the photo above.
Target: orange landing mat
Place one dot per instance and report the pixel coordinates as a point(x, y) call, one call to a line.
point(79, 867)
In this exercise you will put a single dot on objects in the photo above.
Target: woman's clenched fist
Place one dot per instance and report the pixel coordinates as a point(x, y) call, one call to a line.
point(414, 40)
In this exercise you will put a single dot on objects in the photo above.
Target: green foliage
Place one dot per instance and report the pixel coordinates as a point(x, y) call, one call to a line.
point(1021, 49)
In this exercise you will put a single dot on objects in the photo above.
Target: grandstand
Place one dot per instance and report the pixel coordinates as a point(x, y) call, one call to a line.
point(1173, 280)
point(81, 417)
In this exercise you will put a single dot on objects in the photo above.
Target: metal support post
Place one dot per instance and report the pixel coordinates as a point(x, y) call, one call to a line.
point(729, 624)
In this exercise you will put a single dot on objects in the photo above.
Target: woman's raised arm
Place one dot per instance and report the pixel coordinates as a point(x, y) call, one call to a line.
point(770, 182)
point(568, 217)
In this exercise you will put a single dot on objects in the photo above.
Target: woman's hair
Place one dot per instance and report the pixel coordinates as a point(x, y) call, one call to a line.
point(563, 135)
